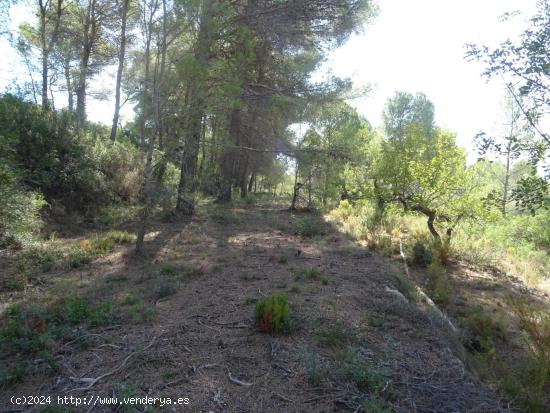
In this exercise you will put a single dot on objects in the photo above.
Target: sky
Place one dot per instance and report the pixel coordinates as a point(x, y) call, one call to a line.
point(414, 46)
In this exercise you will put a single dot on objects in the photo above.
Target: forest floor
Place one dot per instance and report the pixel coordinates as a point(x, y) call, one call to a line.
point(183, 325)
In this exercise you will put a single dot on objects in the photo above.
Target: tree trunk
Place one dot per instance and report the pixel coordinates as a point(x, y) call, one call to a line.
point(506, 180)
point(121, 56)
point(67, 69)
point(251, 181)
point(186, 201)
point(296, 189)
point(90, 28)
point(147, 190)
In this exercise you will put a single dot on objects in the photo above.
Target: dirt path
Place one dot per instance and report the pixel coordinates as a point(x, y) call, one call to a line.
point(354, 346)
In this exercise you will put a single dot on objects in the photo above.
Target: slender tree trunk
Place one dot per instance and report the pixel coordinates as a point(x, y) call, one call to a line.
point(186, 200)
point(251, 181)
point(67, 68)
point(506, 185)
point(296, 189)
point(121, 57)
point(90, 28)
point(147, 181)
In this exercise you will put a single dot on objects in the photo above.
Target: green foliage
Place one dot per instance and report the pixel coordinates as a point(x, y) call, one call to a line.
point(438, 284)
point(360, 372)
point(272, 314)
point(336, 335)
point(483, 331)
point(311, 273)
point(29, 328)
point(421, 255)
point(313, 367)
point(309, 227)
point(407, 287)
point(166, 289)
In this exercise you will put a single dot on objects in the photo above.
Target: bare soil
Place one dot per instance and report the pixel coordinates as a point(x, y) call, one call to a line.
point(203, 343)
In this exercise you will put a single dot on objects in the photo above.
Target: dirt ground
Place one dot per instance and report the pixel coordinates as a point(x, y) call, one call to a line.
point(202, 343)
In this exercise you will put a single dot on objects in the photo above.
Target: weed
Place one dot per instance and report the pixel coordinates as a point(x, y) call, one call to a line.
point(272, 314)
point(283, 259)
point(309, 227)
point(17, 281)
point(295, 289)
point(167, 269)
point(324, 281)
point(375, 404)
point(166, 289)
point(356, 369)
point(311, 273)
point(376, 320)
point(43, 258)
point(482, 332)
point(439, 284)
point(13, 375)
point(224, 216)
point(336, 335)
point(407, 287)
point(421, 255)
point(313, 368)
point(141, 313)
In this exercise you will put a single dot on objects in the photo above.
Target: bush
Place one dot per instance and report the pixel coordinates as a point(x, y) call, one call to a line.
point(483, 332)
point(421, 255)
point(309, 227)
point(336, 335)
point(438, 283)
point(272, 314)
point(311, 273)
point(355, 368)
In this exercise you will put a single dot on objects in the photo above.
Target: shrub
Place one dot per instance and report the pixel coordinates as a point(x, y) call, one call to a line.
point(166, 289)
point(482, 332)
point(438, 283)
point(313, 368)
point(357, 369)
point(272, 314)
point(421, 255)
point(336, 335)
point(309, 227)
point(311, 273)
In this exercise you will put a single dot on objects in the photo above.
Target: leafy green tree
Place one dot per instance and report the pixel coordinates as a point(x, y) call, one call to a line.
point(524, 66)
point(428, 175)
point(405, 109)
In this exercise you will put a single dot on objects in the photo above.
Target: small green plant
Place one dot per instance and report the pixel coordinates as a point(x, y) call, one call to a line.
point(166, 289)
point(422, 256)
point(167, 269)
point(438, 283)
point(16, 281)
point(43, 258)
point(224, 216)
point(407, 287)
point(482, 332)
point(336, 335)
point(272, 314)
point(375, 404)
point(295, 289)
point(311, 273)
point(309, 227)
point(13, 375)
point(313, 368)
point(141, 313)
point(283, 259)
point(360, 372)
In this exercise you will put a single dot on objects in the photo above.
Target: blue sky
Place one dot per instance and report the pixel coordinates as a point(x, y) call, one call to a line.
point(415, 46)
